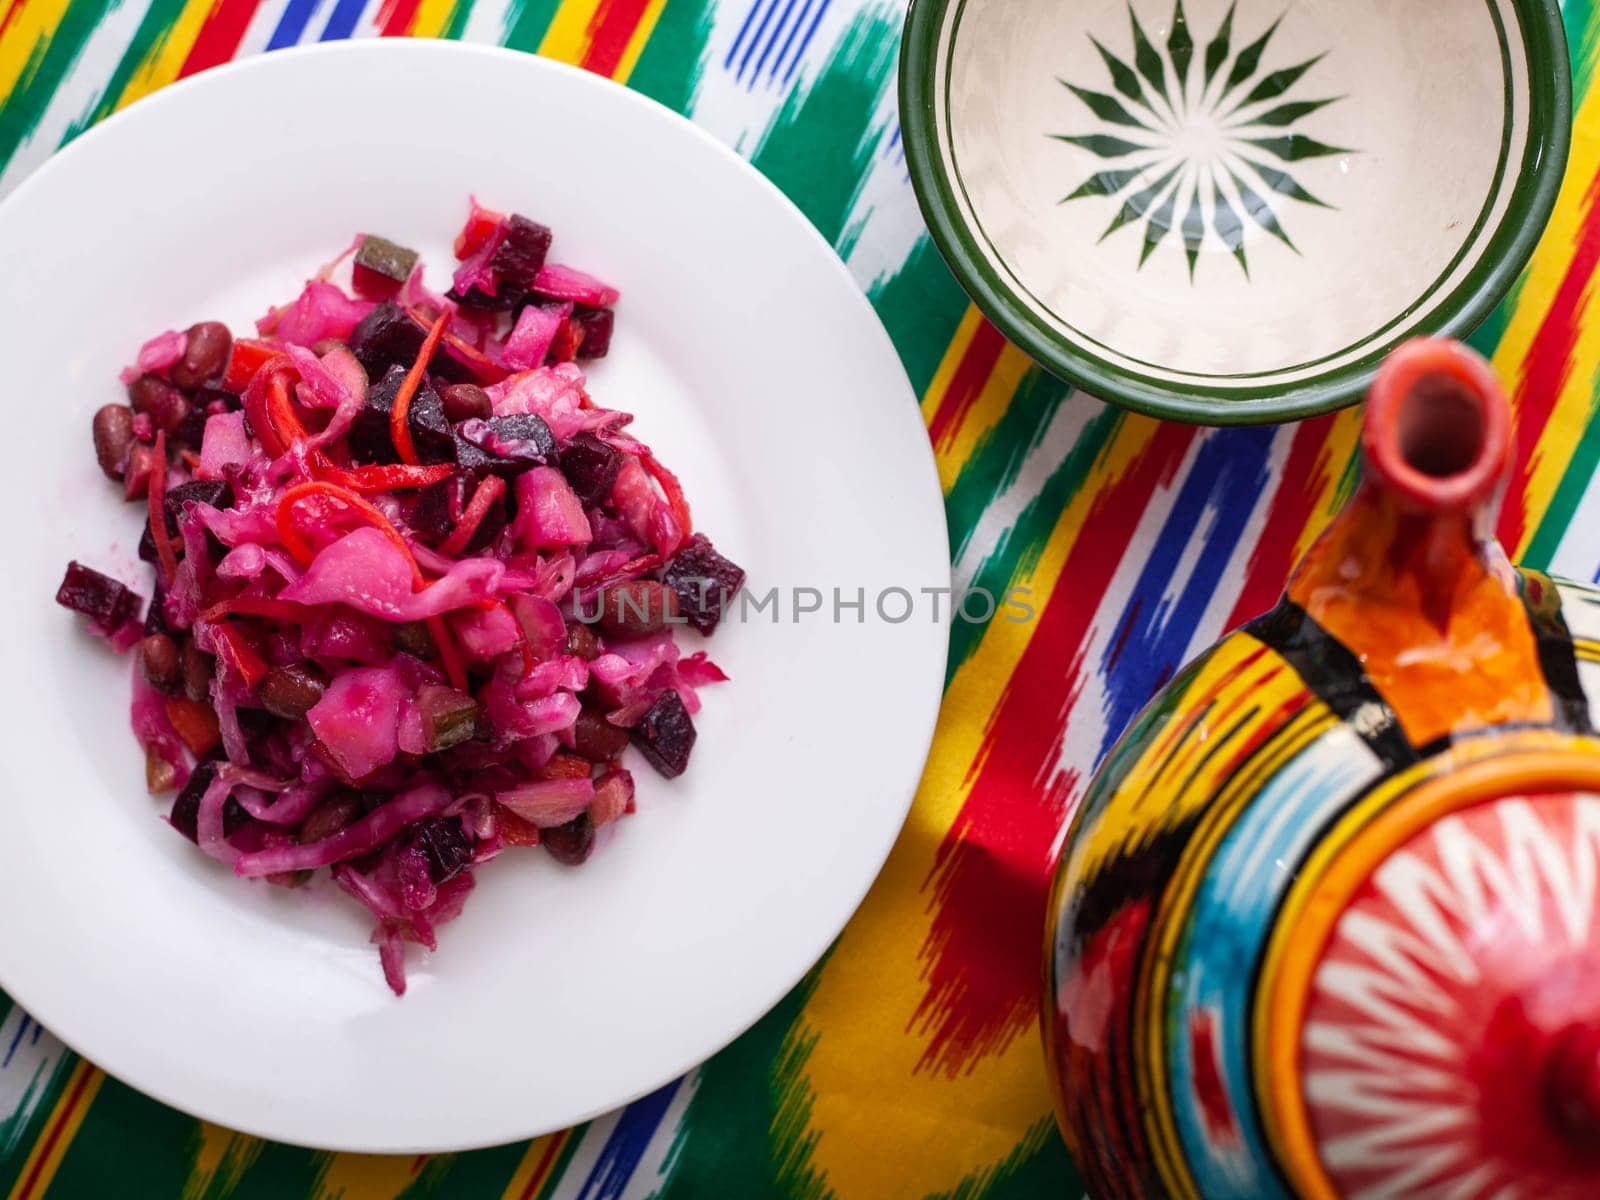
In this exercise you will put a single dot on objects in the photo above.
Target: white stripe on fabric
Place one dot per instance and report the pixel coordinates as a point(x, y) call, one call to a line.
point(78, 90)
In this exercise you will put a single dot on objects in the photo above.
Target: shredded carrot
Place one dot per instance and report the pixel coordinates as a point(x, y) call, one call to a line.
point(676, 500)
point(190, 459)
point(487, 492)
point(259, 606)
point(399, 428)
point(158, 510)
point(453, 669)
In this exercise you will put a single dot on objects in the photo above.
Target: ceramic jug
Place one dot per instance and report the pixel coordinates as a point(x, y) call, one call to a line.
point(1327, 923)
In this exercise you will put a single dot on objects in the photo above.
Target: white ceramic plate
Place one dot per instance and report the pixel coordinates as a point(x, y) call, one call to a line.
point(756, 369)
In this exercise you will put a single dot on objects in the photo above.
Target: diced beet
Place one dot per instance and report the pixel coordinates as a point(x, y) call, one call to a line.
point(431, 434)
point(381, 267)
point(104, 600)
point(386, 337)
point(591, 467)
point(431, 515)
point(215, 492)
point(369, 438)
point(390, 336)
point(185, 815)
point(512, 444)
point(155, 618)
point(704, 581)
point(665, 735)
point(513, 265)
point(571, 843)
point(596, 324)
point(447, 845)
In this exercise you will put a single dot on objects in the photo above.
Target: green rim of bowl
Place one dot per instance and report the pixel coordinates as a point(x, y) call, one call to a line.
point(1533, 197)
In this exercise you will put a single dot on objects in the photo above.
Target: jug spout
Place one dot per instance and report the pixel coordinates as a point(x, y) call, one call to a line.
point(1408, 577)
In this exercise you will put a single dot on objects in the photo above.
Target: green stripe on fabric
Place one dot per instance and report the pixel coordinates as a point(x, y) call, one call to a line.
point(1022, 544)
point(38, 1099)
point(123, 1128)
point(153, 30)
point(674, 58)
point(819, 147)
point(1485, 339)
point(1039, 1166)
point(1582, 21)
point(6, 1005)
point(47, 65)
point(279, 1172)
point(457, 23)
point(725, 1146)
point(527, 28)
point(921, 306)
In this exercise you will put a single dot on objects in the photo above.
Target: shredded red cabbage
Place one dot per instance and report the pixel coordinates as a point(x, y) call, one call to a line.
point(380, 643)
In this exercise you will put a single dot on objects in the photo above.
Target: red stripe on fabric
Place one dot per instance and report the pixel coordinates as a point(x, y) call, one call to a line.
point(220, 35)
point(993, 870)
point(966, 383)
point(53, 1134)
point(1549, 363)
point(396, 16)
point(546, 1161)
point(610, 29)
point(11, 14)
point(1287, 517)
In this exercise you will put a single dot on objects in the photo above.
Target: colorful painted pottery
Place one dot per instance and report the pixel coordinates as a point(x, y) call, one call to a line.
point(1327, 923)
point(1229, 210)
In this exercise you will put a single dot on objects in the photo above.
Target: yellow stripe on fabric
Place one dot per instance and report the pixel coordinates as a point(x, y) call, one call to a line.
point(641, 35)
point(993, 401)
point(25, 40)
point(166, 57)
point(220, 1162)
point(860, 1075)
point(567, 38)
point(537, 1167)
point(433, 17)
point(366, 1176)
point(44, 1160)
point(1343, 438)
point(1546, 271)
point(959, 341)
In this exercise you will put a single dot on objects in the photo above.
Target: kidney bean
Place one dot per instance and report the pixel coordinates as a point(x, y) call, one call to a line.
point(204, 355)
point(113, 431)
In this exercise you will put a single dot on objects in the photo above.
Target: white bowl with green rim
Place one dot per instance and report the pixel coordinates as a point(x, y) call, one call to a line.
point(1228, 211)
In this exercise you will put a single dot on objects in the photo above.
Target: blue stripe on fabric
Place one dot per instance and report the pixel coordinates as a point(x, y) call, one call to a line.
point(755, 39)
point(292, 24)
point(777, 32)
point(630, 1138)
point(346, 14)
point(1228, 477)
point(794, 32)
point(800, 50)
point(1226, 931)
point(744, 28)
point(22, 1029)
